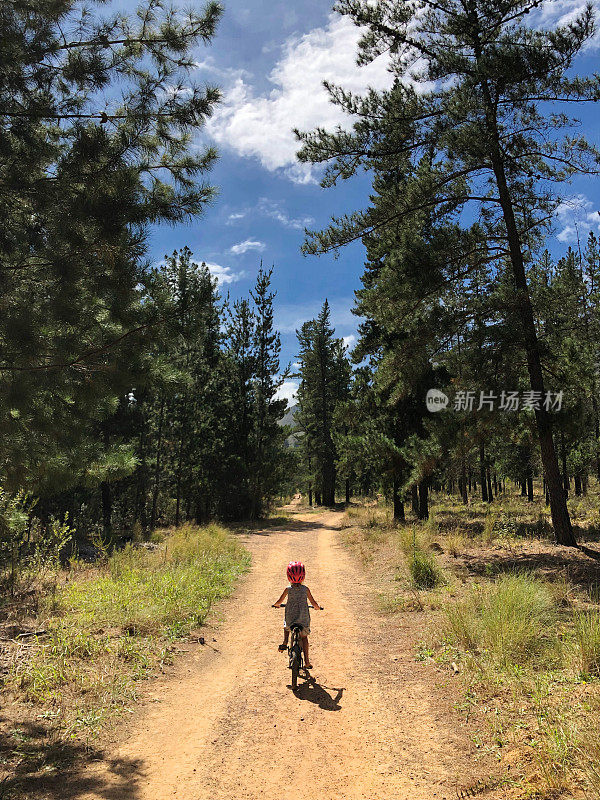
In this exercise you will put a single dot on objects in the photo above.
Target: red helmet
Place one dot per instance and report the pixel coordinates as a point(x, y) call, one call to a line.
point(296, 572)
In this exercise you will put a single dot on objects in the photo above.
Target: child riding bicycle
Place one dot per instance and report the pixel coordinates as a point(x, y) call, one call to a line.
point(296, 607)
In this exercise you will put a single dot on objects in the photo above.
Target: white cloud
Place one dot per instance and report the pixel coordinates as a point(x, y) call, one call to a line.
point(349, 341)
point(562, 12)
point(247, 244)
point(224, 274)
point(261, 126)
point(576, 218)
point(235, 217)
point(288, 391)
point(273, 210)
point(223, 73)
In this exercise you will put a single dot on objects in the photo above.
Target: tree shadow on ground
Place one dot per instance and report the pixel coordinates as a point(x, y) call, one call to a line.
point(39, 765)
point(285, 526)
point(588, 534)
point(313, 692)
point(574, 564)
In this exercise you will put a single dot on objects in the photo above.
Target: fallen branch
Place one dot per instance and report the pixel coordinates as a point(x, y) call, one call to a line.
point(24, 635)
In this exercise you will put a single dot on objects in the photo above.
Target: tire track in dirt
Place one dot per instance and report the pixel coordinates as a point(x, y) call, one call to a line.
point(227, 725)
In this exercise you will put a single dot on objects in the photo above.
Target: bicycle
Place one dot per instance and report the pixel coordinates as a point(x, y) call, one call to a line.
point(295, 652)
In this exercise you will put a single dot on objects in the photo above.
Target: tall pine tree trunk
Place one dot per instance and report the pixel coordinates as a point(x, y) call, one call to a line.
point(398, 503)
point(106, 511)
point(141, 484)
point(329, 476)
point(424, 499)
point(157, 468)
point(463, 487)
point(414, 500)
point(561, 521)
point(484, 493)
point(106, 496)
point(178, 483)
point(565, 472)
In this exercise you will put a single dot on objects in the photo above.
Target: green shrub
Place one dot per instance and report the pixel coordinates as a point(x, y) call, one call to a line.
point(372, 520)
point(424, 570)
point(137, 532)
point(489, 524)
point(414, 539)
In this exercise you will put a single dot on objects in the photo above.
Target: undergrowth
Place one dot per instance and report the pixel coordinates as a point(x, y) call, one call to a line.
point(108, 626)
point(514, 620)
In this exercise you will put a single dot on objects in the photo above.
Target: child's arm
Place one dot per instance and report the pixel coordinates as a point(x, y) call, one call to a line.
point(281, 599)
point(312, 599)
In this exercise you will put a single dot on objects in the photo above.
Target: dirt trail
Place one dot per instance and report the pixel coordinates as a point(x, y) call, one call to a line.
point(226, 725)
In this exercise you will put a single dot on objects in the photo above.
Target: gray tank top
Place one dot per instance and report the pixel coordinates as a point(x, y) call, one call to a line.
point(296, 606)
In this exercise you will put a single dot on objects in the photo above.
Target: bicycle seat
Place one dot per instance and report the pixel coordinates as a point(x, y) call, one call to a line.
point(296, 626)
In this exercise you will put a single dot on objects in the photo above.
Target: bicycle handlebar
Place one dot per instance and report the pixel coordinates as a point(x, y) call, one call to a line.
point(320, 608)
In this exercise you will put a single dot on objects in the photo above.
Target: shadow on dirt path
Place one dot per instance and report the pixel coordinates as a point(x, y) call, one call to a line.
point(313, 692)
point(58, 771)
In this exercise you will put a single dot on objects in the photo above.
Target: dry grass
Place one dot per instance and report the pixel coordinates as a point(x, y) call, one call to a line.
point(520, 617)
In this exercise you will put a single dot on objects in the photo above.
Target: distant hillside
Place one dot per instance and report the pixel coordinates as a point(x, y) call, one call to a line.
point(289, 418)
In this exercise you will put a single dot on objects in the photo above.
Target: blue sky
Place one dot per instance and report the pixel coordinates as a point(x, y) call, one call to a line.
point(269, 58)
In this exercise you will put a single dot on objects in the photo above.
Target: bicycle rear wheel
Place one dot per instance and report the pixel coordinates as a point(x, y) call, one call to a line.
point(295, 667)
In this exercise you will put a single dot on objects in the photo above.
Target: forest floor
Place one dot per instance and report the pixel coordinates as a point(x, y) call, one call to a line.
point(371, 723)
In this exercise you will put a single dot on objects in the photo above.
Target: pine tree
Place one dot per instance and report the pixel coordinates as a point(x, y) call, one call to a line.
point(325, 378)
point(267, 437)
point(96, 116)
point(472, 88)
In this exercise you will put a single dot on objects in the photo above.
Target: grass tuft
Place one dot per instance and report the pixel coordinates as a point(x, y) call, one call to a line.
point(424, 571)
point(511, 621)
point(587, 640)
